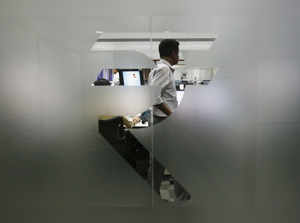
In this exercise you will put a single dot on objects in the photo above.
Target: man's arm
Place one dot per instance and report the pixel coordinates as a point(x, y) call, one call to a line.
point(161, 79)
point(164, 108)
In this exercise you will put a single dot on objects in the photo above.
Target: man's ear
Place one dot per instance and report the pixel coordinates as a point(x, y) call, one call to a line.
point(174, 54)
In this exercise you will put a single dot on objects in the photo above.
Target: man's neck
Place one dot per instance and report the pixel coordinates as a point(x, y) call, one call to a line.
point(168, 59)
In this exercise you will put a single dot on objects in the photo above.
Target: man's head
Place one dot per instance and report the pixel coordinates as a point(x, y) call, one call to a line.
point(169, 50)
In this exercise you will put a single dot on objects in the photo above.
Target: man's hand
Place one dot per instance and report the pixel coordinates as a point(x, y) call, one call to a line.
point(136, 120)
point(164, 108)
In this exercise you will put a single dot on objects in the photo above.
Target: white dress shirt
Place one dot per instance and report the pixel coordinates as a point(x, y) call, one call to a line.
point(162, 76)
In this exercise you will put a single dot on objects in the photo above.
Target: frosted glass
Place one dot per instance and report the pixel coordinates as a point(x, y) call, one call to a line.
point(119, 100)
point(51, 151)
point(233, 144)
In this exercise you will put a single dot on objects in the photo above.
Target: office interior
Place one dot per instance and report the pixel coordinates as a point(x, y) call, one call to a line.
point(232, 143)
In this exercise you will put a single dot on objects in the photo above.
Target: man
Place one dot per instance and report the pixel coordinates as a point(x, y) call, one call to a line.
point(165, 104)
point(162, 76)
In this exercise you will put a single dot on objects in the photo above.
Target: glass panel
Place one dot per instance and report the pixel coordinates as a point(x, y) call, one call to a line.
point(170, 144)
point(52, 151)
point(233, 144)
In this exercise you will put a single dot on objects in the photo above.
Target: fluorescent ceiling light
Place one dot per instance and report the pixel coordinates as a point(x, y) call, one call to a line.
point(147, 45)
point(150, 41)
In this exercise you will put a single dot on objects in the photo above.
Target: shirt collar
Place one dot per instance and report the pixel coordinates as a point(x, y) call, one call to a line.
point(167, 63)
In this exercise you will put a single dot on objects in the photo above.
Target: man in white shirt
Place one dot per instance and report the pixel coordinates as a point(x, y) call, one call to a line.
point(162, 76)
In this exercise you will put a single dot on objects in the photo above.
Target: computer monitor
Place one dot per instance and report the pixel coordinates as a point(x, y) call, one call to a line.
point(131, 77)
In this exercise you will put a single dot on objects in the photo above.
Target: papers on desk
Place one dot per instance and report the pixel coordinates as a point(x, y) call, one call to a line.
point(128, 118)
point(129, 123)
point(141, 125)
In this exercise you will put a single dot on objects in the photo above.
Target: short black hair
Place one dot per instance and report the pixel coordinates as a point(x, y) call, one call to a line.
point(167, 46)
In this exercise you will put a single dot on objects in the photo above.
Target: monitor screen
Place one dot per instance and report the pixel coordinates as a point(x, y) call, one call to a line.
point(131, 78)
